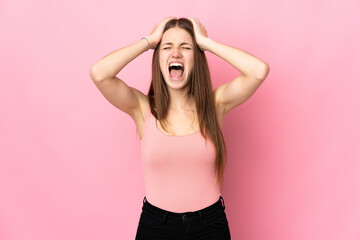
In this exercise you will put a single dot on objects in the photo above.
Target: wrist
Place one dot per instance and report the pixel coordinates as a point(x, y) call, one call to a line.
point(147, 41)
point(204, 44)
point(151, 41)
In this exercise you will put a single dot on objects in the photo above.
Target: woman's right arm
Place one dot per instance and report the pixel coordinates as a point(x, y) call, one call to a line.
point(118, 93)
point(104, 71)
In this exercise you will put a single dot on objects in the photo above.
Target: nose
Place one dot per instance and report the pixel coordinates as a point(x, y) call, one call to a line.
point(176, 53)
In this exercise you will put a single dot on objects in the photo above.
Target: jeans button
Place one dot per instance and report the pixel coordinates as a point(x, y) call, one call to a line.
point(184, 217)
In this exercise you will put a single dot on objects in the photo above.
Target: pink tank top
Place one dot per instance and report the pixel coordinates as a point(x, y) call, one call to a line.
point(179, 171)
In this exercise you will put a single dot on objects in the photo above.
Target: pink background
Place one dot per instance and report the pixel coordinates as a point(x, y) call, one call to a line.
point(69, 161)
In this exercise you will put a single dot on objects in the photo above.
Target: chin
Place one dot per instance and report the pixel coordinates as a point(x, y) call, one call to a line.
point(179, 84)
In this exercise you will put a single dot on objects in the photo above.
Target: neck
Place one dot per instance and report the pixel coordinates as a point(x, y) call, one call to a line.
point(180, 100)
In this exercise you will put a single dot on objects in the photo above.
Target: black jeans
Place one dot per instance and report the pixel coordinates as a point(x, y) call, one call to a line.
point(209, 223)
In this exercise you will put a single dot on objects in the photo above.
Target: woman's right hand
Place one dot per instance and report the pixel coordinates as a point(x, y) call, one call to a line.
point(156, 34)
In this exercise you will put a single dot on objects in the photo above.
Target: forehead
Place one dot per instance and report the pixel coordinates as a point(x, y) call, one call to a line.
point(176, 35)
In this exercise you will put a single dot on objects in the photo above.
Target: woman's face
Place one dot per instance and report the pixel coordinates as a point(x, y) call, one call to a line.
point(176, 57)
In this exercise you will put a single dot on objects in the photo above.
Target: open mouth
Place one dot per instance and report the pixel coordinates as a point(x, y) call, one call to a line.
point(176, 70)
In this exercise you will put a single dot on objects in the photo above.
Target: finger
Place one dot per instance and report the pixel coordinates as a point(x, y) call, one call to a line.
point(199, 23)
point(192, 20)
point(195, 24)
point(170, 18)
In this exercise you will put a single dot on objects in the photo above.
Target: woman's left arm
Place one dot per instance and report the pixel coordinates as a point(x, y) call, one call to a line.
point(253, 71)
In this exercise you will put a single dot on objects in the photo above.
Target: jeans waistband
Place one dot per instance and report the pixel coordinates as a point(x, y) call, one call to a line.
point(220, 202)
point(185, 216)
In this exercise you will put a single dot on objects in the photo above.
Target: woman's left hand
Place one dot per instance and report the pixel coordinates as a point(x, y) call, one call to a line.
point(200, 33)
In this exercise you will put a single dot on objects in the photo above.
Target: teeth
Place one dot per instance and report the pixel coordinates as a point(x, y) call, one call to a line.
point(176, 65)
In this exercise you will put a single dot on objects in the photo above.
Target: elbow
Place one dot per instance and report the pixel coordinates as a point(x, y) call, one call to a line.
point(263, 71)
point(94, 74)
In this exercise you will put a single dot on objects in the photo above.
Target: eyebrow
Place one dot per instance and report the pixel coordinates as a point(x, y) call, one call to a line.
point(169, 43)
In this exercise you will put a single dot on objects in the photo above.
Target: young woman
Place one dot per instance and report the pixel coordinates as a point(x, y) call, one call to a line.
point(178, 122)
